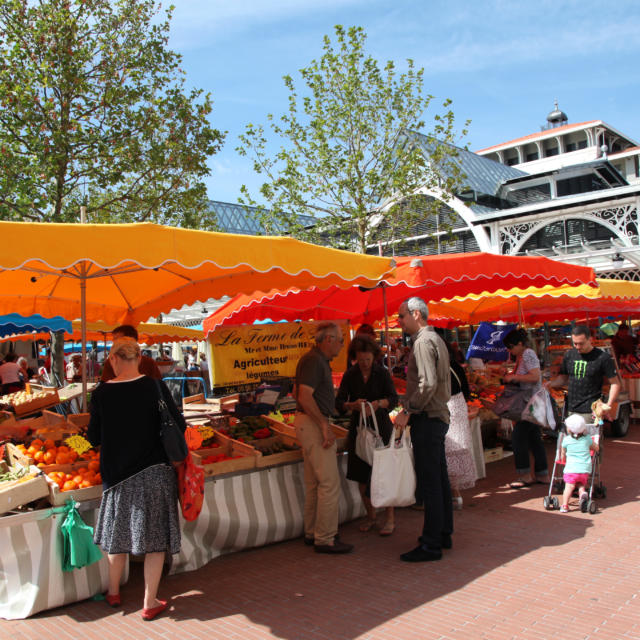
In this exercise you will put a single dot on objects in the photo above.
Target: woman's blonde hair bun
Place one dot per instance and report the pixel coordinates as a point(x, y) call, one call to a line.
point(125, 348)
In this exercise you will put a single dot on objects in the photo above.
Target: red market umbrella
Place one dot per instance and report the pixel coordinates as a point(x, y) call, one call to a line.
point(429, 277)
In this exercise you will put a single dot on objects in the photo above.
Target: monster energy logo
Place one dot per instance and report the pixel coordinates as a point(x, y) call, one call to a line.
point(580, 368)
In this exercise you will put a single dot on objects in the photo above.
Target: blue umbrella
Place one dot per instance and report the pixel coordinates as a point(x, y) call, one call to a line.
point(14, 323)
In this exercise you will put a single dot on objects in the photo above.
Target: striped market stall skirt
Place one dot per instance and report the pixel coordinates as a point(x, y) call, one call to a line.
point(254, 509)
point(240, 511)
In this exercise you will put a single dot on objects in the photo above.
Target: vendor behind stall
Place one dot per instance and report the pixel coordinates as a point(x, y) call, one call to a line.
point(148, 366)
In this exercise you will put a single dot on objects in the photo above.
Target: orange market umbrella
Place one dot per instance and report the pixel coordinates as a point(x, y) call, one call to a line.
point(429, 277)
point(544, 304)
point(130, 272)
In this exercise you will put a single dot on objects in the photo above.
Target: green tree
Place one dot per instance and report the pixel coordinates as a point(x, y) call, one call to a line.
point(94, 109)
point(348, 149)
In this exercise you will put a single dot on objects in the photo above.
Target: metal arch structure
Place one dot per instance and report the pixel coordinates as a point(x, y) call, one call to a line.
point(459, 207)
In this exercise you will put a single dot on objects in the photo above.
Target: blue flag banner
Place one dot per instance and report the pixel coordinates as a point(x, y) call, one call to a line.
point(487, 342)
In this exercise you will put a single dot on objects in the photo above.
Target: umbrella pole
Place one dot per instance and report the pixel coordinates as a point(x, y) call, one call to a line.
point(386, 325)
point(83, 335)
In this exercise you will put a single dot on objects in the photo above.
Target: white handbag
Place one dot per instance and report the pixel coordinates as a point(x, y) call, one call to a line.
point(367, 439)
point(393, 478)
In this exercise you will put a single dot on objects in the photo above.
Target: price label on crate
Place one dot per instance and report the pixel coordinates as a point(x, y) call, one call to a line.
point(206, 431)
point(78, 444)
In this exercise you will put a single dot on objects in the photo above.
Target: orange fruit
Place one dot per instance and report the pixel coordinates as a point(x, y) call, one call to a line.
point(94, 465)
point(73, 456)
point(49, 444)
point(62, 458)
point(49, 457)
point(63, 448)
point(40, 465)
point(31, 451)
point(82, 470)
point(38, 456)
point(69, 485)
point(97, 479)
point(85, 484)
point(37, 443)
point(21, 447)
point(78, 479)
point(68, 476)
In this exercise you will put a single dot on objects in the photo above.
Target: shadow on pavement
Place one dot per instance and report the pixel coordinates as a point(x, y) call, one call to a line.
point(290, 591)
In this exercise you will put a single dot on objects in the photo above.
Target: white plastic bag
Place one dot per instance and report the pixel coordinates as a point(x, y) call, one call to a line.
point(539, 409)
point(367, 439)
point(393, 478)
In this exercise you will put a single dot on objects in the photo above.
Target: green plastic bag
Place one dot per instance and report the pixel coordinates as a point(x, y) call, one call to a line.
point(78, 548)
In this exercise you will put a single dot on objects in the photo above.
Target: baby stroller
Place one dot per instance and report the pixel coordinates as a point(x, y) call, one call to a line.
point(595, 489)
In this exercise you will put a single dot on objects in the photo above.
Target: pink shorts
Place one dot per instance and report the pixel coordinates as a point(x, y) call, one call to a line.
point(576, 478)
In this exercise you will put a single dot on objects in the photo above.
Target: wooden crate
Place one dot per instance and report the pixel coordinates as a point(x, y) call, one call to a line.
point(79, 420)
point(224, 403)
point(10, 427)
point(50, 400)
point(491, 455)
point(199, 398)
point(228, 447)
point(14, 456)
point(58, 497)
point(20, 492)
point(277, 458)
point(289, 430)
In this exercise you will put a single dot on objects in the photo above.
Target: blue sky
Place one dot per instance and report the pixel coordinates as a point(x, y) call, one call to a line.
point(503, 63)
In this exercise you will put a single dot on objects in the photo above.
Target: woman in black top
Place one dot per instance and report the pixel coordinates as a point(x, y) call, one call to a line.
point(370, 381)
point(139, 509)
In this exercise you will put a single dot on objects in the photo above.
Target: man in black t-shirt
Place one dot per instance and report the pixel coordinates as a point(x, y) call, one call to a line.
point(585, 368)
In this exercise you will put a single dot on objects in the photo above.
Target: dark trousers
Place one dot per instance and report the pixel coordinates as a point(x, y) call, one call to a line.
point(432, 480)
point(526, 437)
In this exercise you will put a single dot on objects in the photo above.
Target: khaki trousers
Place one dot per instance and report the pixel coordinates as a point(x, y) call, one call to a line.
point(321, 482)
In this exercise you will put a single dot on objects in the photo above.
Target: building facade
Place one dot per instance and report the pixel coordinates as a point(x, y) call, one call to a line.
point(569, 192)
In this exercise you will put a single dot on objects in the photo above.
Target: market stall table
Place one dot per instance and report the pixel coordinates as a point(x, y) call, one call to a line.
point(240, 511)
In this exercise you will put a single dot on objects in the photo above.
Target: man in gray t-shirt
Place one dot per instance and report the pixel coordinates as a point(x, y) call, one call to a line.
point(316, 403)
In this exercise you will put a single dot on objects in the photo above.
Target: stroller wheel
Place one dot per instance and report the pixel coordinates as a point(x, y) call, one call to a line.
point(546, 503)
point(555, 502)
point(592, 507)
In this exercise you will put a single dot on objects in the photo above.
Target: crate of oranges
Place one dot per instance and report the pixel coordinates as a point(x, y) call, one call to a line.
point(68, 474)
point(79, 481)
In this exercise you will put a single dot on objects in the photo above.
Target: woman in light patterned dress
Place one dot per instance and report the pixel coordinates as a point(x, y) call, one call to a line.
point(458, 441)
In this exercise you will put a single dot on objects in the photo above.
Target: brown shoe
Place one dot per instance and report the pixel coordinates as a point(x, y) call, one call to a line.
point(336, 547)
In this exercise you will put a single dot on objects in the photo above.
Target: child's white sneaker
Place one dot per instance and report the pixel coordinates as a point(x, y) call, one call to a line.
point(564, 509)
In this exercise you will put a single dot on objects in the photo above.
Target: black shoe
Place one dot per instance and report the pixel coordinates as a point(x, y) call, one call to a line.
point(420, 554)
point(447, 543)
point(309, 541)
point(584, 502)
point(336, 547)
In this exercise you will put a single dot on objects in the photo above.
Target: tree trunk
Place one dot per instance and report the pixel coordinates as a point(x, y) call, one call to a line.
point(57, 358)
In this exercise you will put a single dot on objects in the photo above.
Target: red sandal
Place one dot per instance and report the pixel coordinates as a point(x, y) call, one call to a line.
point(113, 601)
point(150, 614)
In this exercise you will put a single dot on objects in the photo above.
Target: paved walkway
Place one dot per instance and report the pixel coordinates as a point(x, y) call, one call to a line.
point(515, 572)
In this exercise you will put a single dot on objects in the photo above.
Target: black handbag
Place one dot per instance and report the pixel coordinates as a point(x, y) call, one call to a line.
point(512, 402)
point(175, 445)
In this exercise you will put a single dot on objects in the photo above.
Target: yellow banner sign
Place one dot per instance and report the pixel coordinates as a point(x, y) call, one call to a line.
point(244, 354)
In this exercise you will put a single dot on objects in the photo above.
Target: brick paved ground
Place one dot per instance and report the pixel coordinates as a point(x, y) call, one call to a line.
point(515, 571)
